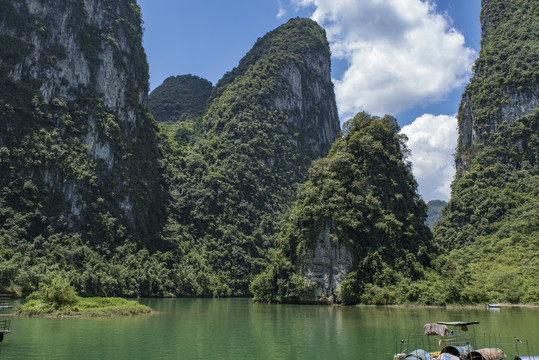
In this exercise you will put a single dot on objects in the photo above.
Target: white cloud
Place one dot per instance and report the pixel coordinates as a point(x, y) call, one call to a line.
point(282, 10)
point(432, 140)
point(401, 53)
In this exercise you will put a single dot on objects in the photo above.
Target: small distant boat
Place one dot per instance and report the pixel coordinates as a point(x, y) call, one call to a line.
point(493, 306)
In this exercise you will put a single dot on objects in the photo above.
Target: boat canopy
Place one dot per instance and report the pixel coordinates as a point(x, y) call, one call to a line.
point(463, 324)
point(436, 329)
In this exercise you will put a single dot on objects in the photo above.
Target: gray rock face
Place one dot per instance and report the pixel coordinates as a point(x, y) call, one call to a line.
point(488, 110)
point(62, 26)
point(327, 264)
point(81, 47)
point(520, 104)
point(309, 100)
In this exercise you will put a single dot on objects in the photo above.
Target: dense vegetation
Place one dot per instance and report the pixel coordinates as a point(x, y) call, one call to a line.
point(233, 177)
point(225, 182)
point(60, 299)
point(196, 205)
point(506, 70)
point(180, 98)
point(366, 191)
point(492, 220)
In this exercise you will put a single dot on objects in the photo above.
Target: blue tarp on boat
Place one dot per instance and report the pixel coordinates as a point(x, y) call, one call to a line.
point(418, 354)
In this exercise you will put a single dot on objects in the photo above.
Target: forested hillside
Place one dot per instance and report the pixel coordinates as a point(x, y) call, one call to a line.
point(491, 223)
point(232, 177)
point(356, 231)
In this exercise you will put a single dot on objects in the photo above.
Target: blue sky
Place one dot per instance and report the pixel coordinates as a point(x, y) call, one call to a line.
point(407, 58)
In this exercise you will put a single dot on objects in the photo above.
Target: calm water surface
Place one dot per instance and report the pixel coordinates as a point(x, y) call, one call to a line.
point(240, 329)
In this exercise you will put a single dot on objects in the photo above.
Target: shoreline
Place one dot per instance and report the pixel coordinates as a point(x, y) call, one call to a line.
point(451, 306)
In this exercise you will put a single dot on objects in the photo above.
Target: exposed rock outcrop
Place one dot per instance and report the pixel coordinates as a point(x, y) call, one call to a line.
point(504, 87)
point(326, 265)
point(309, 100)
point(89, 44)
point(83, 64)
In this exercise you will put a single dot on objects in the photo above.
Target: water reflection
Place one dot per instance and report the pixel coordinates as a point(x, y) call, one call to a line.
point(238, 328)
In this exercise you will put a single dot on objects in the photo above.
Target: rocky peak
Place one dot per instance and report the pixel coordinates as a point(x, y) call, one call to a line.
point(505, 83)
point(301, 86)
point(266, 120)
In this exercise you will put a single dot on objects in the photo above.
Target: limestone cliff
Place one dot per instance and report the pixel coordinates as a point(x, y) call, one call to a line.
point(75, 43)
point(82, 65)
point(327, 264)
point(505, 85)
point(295, 62)
point(494, 203)
point(498, 120)
point(308, 99)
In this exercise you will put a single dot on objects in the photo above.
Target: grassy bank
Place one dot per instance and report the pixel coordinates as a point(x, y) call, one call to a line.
point(60, 299)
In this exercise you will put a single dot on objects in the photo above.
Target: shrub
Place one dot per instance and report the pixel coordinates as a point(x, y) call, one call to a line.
point(58, 293)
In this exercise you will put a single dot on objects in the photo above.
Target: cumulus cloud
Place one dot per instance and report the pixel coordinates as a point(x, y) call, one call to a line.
point(401, 53)
point(432, 140)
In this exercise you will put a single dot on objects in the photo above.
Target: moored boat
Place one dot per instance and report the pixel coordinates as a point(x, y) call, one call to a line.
point(458, 344)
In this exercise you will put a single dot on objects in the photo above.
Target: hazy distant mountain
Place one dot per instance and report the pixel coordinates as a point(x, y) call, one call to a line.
point(434, 213)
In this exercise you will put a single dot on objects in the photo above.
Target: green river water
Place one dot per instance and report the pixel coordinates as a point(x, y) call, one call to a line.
point(241, 329)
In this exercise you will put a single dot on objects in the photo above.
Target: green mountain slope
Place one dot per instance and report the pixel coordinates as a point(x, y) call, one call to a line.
point(491, 222)
point(234, 179)
point(356, 227)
